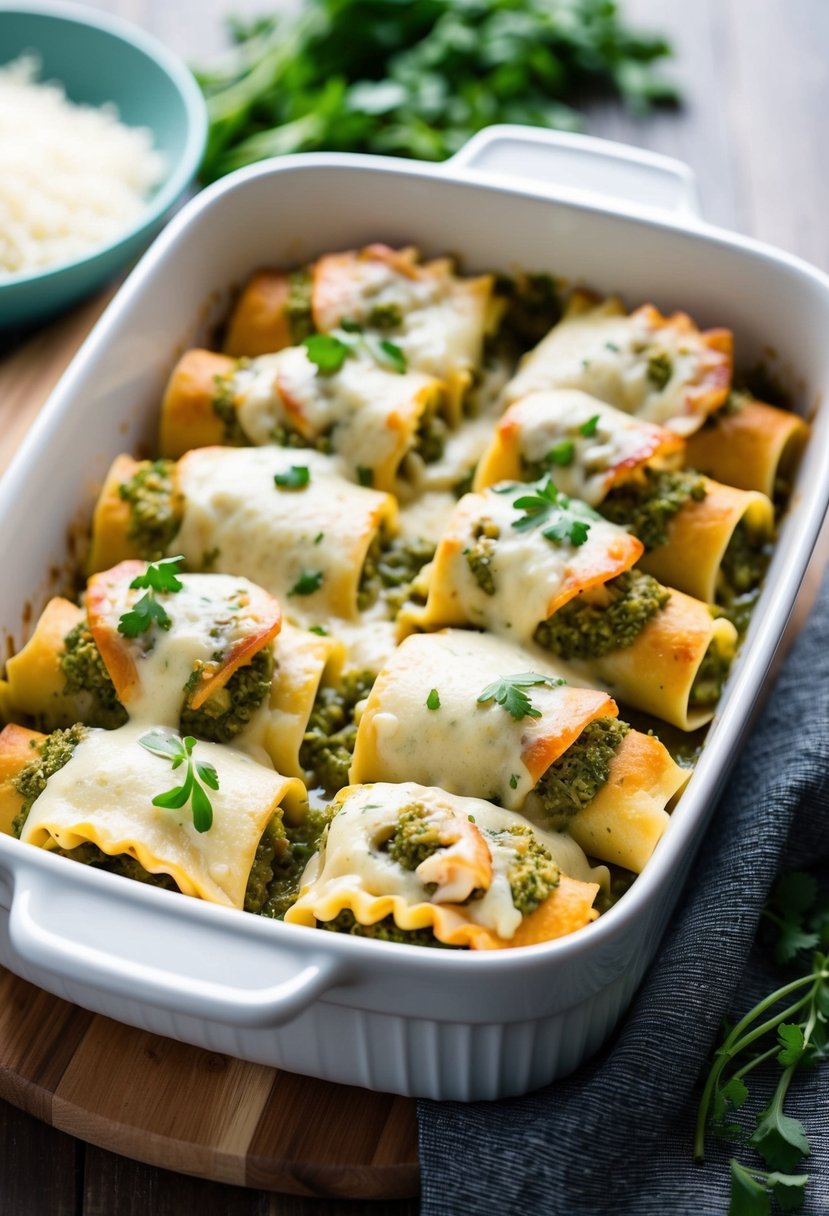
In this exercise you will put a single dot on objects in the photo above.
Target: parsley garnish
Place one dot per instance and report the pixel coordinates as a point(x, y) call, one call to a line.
point(513, 781)
point(308, 582)
point(327, 352)
point(169, 746)
point(507, 691)
point(350, 327)
point(365, 476)
point(158, 577)
point(433, 699)
point(660, 369)
point(566, 522)
point(588, 429)
point(319, 629)
point(562, 454)
point(393, 355)
point(297, 478)
point(796, 1036)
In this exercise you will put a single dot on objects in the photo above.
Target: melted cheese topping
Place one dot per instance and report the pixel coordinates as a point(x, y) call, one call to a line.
point(532, 576)
point(610, 356)
point(371, 413)
point(615, 445)
point(463, 746)
point(103, 795)
point(443, 317)
point(275, 537)
point(354, 871)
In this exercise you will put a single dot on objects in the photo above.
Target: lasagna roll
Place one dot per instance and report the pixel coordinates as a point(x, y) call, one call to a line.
point(528, 562)
point(706, 539)
point(662, 369)
point(410, 863)
point(459, 710)
point(88, 794)
point(286, 520)
point(383, 426)
point(435, 318)
point(751, 445)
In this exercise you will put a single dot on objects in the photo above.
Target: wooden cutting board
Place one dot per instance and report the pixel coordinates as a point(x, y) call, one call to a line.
point(152, 1098)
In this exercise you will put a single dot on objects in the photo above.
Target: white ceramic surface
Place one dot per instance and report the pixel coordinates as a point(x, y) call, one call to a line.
point(390, 1017)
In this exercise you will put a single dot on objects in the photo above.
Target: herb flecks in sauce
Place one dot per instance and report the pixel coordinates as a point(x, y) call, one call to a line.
point(605, 618)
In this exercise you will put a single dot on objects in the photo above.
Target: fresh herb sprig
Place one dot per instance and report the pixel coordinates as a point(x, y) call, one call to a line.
point(421, 78)
point(160, 578)
point(789, 1026)
point(565, 521)
point(328, 352)
point(169, 746)
point(508, 692)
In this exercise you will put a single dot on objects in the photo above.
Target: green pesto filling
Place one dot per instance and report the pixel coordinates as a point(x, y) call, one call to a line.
point(481, 554)
point(612, 618)
point(224, 406)
point(155, 508)
point(89, 854)
point(430, 438)
point(660, 369)
point(302, 841)
point(286, 437)
point(415, 839)
point(532, 308)
point(744, 562)
point(647, 507)
point(383, 931)
point(391, 566)
point(328, 743)
point(575, 779)
point(533, 874)
point(228, 710)
point(49, 757)
point(710, 677)
point(385, 316)
point(298, 305)
point(85, 673)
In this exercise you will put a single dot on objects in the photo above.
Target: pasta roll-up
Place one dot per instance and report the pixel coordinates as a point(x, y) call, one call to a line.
point(513, 555)
point(411, 863)
point(382, 425)
point(460, 710)
point(196, 654)
point(89, 794)
point(662, 369)
point(42, 677)
point(706, 539)
point(286, 521)
point(749, 444)
point(435, 318)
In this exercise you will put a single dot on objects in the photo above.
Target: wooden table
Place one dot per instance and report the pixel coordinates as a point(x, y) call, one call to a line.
point(755, 75)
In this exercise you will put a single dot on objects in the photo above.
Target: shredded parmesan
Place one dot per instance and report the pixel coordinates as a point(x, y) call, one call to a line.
point(72, 177)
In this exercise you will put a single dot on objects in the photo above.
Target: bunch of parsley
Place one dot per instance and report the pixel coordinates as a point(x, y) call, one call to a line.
point(417, 78)
point(789, 1027)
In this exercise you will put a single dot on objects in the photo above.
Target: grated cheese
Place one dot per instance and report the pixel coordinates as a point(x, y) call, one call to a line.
point(72, 177)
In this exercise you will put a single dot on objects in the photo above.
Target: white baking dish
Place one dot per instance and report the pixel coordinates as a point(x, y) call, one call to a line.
point(387, 1016)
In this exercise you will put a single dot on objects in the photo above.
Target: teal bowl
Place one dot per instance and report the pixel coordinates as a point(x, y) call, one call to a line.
point(98, 58)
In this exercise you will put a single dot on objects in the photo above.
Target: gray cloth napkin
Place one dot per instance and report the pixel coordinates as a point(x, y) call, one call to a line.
point(616, 1136)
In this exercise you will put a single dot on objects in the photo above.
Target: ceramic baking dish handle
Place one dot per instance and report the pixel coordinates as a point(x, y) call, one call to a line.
point(70, 949)
point(585, 166)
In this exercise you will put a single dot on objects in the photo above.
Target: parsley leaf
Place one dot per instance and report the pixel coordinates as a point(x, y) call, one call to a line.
point(297, 478)
point(320, 630)
point(169, 746)
point(588, 429)
point(365, 475)
point(308, 582)
point(327, 352)
point(507, 691)
point(159, 577)
point(568, 522)
point(779, 1139)
point(513, 781)
point(433, 699)
point(392, 355)
point(562, 454)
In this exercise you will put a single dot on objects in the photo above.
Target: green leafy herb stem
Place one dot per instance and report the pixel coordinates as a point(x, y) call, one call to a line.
point(169, 746)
